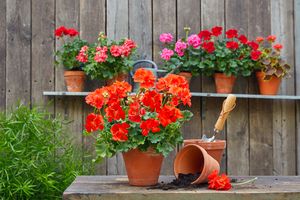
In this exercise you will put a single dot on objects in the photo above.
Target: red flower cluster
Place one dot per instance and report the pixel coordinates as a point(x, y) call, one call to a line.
point(259, 39)
point(61, 31)
point(232, 45)
point(144, 77)
point(135, 112)
point(208, 46)
point(278, 47)
point(204, 35)
point(232, 33)
point(271, 38)
point(94, 122)
point(149, 125)
point(255, 55)
point(152, 99)
point(217, 182)
point(169, 114)
point(216, 31)
point(243, 39)
point(115, 112)
point(120, 132)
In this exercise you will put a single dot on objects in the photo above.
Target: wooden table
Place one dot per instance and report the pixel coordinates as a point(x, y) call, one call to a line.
point(116, 187)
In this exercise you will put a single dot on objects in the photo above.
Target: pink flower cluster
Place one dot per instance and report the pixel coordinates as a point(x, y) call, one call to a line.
point(180, 47)
point(123, 50)
point(101, 54)
point(194, 41)
point(166, 54)
point(82, 56)
point(166, 37)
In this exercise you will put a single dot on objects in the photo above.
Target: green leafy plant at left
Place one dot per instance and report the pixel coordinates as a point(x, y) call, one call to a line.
point(37, 160)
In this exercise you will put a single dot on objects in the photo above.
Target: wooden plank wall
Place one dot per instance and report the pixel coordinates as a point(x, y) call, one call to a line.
point(263, 136)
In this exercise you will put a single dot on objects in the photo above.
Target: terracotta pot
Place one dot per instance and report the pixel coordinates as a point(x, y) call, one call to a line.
point(214, 149)
point(224, 84)
point(194, 159)
point(186, 75)
point(119, 77)
point(268, 87)
point(74, 80)
point(142, 168)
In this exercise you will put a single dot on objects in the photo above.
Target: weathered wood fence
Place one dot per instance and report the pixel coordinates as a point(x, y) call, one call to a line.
point(263, 135)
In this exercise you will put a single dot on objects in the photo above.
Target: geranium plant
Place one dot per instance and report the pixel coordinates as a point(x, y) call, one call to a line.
point(268, 58)
point(106, 59)
point(71, 45)
point(147, 118)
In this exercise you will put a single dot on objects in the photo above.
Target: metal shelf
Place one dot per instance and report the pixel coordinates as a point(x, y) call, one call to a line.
point(195, 94)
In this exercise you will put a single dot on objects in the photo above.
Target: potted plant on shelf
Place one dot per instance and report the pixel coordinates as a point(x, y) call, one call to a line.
point(270, 65)
point(66, 56)
point(225, 58)
point(145, 125)
point(181, 57)
point(108, 60)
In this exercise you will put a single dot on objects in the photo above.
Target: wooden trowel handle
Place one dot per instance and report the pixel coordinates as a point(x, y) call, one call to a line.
point(228, 105)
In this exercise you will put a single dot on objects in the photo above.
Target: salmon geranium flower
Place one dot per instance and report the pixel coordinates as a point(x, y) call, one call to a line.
point(145, 77)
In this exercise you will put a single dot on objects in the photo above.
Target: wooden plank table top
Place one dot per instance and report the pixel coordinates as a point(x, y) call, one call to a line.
point(116, 187)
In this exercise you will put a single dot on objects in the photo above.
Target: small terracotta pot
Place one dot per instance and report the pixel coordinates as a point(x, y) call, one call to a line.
point(214, 149)
point(224, 84)
point(119, 77)
point(143, 168)
point(74, 80)
point(268, 87)
point(186, 75)
point(194, 159)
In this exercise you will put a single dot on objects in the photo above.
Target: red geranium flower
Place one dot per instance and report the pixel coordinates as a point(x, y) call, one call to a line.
point(98, 98)
point(182, 94)
point(114, 112)
point(259, 39)
point(149, 125)
point(120, 132)
point(216, 31)
point(208, 46)
point(255, 55)
point(217, 182)
point(232, 33)
point(232, 45)
point(94, 122)
point(253, 45)
point(152, 99)
point(60, 31)
point(118, 90)
point(243, 39)
point(169, 114)
point(72, 32)
point(135, 112)
point(204, 35)
point(271, 38)
point(144, 77)
point(278, 47)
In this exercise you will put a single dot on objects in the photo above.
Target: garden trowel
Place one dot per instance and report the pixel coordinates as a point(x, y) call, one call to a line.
point(228, 105)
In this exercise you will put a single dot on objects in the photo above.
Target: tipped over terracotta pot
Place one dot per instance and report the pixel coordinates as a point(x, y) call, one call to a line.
point(194, 159)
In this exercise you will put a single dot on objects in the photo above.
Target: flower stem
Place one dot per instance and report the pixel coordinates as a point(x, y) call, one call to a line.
point(245, 182)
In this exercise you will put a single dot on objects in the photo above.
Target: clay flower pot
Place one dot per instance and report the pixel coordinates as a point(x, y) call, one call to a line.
point(214, 149)
point(224, 84)
point(143, 168)
point(119, 77)
point(194, 159)
point(186, 75)
point(74, 80)
point(268, 87)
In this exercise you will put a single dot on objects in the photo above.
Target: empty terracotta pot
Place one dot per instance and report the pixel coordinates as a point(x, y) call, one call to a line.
point(186, 75)
point(268, 87)
point(224, 84)
point(74, 80)
point(143, 168)
point(194, 159)
point(214, 149)
point(119, 77)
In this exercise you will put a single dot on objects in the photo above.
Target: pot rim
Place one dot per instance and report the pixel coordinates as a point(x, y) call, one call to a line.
point(217, 144)
point(74, 73)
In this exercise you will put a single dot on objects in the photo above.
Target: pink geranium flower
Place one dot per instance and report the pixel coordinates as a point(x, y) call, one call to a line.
point(166, 38)
point(166, 54)
point(194, 41)
point(180, 47)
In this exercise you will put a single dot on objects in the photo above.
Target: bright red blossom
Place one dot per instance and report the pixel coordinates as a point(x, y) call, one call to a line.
point(98, 98)
point(208, 46)
point(232, 45)
point(216, 31)
point(120, 132)
point(259, 39)
point(135, 112)
point(72, 32)
point(255, 55)
point(253, 45)
point(243, 39)
point(94, 122)
point(278, 47)
point(114, 112)
point(232, 33)
point(204, 35)
point(60, 31)
point(144, 77)
point(217, 182)
point(149, 125)
point(271, 38)
point(118, 90)
point(169, 114)
point(152, 99)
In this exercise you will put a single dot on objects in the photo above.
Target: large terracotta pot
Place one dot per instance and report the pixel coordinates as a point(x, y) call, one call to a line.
point(224, 84)
point(74, 80)
point(214, 149)
point(268, 87)
point(119, 77)
point(194, 159)
point(143, 168)
point(186, 75)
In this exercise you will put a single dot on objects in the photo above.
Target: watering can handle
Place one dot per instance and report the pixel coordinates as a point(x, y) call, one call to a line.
point(228, 105)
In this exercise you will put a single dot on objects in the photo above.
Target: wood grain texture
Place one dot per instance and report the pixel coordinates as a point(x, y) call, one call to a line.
point(43, 45)
point(212, 14)
point(18, 52)
point(2, 55)
point(283, 122)
point(238, 123)
point(92, 21)
point(140, 26)
point(117, 28)
point(297, 75)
